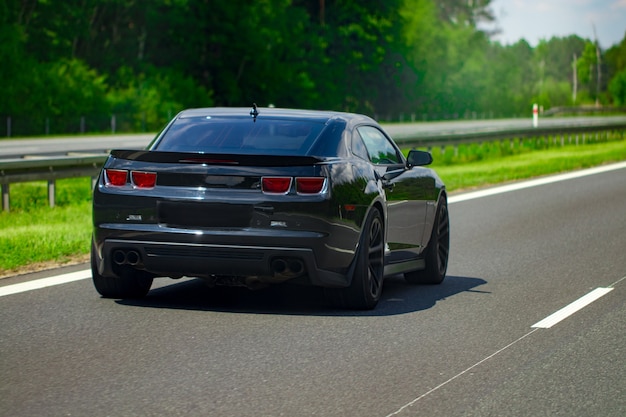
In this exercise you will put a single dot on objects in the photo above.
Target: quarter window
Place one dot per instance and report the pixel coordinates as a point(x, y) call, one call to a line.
point(379, 148)
point(358, 147)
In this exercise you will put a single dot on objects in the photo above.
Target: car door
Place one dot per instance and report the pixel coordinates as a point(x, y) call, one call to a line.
point(406, 205)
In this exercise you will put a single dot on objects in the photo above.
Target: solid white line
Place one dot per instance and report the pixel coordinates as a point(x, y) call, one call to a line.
point(75, 276)
point(45, 282)
point(535, 183)
point(570, 309)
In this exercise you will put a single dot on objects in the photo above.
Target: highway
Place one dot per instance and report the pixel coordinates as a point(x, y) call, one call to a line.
point(477, 345)
point(16, 148)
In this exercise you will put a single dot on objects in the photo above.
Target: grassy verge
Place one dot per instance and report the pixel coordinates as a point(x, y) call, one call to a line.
point(529, 164)
point(32, 233)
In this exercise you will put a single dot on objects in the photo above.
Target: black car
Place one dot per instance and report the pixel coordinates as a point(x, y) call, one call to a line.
point(255, 197)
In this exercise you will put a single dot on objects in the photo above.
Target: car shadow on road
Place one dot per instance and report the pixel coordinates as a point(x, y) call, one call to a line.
point(398, 297)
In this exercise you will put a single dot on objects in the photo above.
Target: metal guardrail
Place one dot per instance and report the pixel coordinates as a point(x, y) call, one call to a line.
point(47, 169)
point(51, 168)
point(584, 110)
point(487, 135)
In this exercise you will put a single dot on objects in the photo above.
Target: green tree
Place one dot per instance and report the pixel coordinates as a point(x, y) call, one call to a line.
point(617, 88)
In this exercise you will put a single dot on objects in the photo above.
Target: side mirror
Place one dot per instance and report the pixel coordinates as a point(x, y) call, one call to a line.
point(419, 158)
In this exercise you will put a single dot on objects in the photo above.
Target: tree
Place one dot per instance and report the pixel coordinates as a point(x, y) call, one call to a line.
point(617, 88)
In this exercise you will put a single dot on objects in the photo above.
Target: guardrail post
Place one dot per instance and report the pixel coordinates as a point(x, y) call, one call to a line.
point(51, 192)
point(5, 198)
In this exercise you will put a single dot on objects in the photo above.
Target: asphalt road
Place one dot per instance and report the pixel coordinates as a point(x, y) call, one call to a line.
point(465, 348)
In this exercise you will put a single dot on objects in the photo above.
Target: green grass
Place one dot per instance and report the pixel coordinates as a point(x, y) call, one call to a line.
point(530, 164)
point(33, 232)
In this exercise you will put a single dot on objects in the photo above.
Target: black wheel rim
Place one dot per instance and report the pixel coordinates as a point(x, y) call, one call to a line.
point(375, 252)
point(443, 239)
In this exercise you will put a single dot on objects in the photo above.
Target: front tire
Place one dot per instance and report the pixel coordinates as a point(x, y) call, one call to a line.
point(366, 286)
point(131, 283)
point(437, 251)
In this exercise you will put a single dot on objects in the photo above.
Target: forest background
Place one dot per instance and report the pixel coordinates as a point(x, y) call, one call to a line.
point(145, 60)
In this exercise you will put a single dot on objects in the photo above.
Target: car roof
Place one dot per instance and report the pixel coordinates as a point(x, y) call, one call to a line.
point(323, 116)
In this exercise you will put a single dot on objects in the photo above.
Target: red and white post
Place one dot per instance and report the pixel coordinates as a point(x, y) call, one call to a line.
point(535, 115)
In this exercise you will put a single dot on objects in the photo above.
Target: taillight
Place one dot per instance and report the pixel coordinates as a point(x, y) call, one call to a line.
point(143, 179)
point(140, 179)
point(276, 185)
point(116, 177)
point(282, 185)
point(310, 185)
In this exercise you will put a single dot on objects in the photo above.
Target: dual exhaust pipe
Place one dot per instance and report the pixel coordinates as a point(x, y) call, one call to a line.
point(122, 257)
point(281, 267)
point(287, 268)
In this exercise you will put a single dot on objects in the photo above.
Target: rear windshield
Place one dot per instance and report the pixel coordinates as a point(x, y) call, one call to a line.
point(240, 136)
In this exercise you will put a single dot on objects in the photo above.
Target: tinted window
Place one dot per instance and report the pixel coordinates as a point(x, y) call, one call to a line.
point(379, 148)
point(358, 147)
point(239, 135)
point(330, 141)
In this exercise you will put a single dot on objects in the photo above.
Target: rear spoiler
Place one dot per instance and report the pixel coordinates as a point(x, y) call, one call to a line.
point(215, 158)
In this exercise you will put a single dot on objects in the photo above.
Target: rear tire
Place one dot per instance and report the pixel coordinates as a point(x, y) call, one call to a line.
point(365, 290)
point(131, 283)
point(437, 251)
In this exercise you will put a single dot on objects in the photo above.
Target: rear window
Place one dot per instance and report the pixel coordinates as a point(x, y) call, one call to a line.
point(208, 134)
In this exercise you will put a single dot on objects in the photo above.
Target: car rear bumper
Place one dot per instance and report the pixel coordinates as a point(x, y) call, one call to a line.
point(274, 257)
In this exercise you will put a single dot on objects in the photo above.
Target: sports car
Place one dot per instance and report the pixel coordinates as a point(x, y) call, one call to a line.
point(266, 196)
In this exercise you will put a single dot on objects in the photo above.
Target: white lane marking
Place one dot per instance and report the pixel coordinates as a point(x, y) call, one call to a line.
point(62, 279)
point(45, 282)
point(570, 309)
point(534, 183)
point(545, 324)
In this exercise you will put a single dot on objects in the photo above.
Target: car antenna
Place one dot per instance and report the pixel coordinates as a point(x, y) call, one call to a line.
point(254, 112)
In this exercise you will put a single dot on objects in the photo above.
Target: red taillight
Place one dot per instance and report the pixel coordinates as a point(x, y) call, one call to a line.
point(116, 177)
point(310, 185)
point(143, 179)
point(276, 185)
point(140, 179)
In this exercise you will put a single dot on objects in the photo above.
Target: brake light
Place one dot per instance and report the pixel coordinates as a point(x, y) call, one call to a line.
point(140, 179)
point(276, 185)
point(116, 177)
point(310, 185)
point(143, 179)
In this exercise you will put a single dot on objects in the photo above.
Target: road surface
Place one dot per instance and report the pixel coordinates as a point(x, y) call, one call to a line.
point(477, 345)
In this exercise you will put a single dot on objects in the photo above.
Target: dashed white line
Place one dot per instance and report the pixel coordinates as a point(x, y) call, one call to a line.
point(570, 309)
